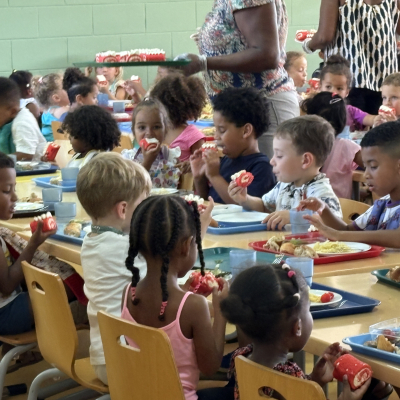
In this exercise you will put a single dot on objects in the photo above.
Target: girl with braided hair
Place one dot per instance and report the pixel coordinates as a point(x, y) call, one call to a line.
point(166, 231)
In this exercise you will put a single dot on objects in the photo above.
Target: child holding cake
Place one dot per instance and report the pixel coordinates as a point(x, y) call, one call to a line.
point(296, 67)
point(48, 91)
point(390, 109)
point(115, 88)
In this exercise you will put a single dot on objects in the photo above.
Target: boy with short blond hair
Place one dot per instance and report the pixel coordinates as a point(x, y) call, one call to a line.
point(301, 146)
point(109, 189)
point(391, 97)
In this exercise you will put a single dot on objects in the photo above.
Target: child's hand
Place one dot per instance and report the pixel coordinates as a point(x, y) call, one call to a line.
point(184, 167)
point(38, 237)
point(237, 193)
point(349, 394)
point(218, 296)
point(151, 153)
point(187, 284)
point(313, 204)
point(197, 164)
point(326, 231)
point(205, 216)
point(213, 162)
point(277, 220)
point(323, 369)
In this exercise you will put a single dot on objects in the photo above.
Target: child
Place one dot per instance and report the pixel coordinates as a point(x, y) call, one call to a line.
point(270, 304)
point(240, 118)
point(345, 156)
point(391, 97)
point(49, 93)
point(109, 189)
point(149, 121)
point(115, 89)
point(296, 67)
point(81, 90)
point(91, 129)
point(380, 149)
point(184, 98)
point(336, 78)
point(301, 147)
point(170, 249)
point(23, 80)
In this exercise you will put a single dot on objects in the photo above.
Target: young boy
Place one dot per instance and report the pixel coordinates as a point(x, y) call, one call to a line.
point(301, 146)
point(391, 97)
point(380, 150)
point(240, 117)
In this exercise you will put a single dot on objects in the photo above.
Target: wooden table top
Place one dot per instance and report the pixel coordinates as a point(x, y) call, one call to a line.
point(330, 330)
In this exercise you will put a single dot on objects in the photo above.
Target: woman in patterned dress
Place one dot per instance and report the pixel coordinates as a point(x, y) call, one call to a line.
point(242, 44)
point(364, 32)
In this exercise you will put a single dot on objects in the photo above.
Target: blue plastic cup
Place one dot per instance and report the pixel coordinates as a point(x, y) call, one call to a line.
point(64, 212)
point(239, 260)
point(119, 106)
point(102, 99)
point(52, 195)
point(69, 174)
point(298, 223)
point(303, 264)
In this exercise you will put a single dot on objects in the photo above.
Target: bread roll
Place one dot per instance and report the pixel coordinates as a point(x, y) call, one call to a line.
point(394, 274)
point(73, 229)
point(305, 251)
point(383, 344)
point(214, 223)
point(288, 248)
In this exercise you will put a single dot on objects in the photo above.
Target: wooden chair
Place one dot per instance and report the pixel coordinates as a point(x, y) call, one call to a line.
point(352, 209)
point(126, 143)
point(146, 373)
point(252, 377)
point(186, 182)
point(55, 126)
point(56, 332)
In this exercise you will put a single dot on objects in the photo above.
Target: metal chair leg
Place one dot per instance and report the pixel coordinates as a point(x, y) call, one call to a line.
point(57, 388)
point(43, 376)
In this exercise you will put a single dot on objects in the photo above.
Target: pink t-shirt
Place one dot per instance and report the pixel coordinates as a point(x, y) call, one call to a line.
point(186, 140)
point(339, 166)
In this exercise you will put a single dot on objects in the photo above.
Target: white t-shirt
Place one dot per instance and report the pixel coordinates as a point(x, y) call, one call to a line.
point(27, 136)
point(24, 102)
point(105, 274)
point(286, 196)
point(76, 162)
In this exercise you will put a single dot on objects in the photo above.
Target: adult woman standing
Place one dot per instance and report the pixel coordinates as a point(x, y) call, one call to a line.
point(364, 32)
point(242, 44)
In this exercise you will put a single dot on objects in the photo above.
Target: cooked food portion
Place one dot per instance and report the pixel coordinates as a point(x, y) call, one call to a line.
point(73, 229)
point(305, 251)
point(332, 247)
point(209, 131)
point(207, 112)
point(33, 198)
point(293, 247)
point(394, 274)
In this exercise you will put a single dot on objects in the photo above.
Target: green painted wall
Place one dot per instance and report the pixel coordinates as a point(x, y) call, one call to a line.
point(49, 35)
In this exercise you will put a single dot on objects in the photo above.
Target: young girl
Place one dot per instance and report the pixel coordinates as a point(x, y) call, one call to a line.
point(23, 80)
point(170, 248)
point(336, 78)
point(115, 90)
point(184, 98)
point(48, 91)
point(149, 121)
point(271, 306)
point(296, 67)
point(81, 90)
point(345, 156)
point(91, 130)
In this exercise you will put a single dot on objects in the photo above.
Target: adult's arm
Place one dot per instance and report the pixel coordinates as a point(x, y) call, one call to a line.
point(258, 25)
point(328, 20)
point(398, 22)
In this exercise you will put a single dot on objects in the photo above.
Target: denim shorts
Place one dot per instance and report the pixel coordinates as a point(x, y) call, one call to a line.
point(16, 317)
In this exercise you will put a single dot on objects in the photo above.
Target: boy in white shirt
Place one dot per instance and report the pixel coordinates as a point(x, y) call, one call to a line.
point(301, 146)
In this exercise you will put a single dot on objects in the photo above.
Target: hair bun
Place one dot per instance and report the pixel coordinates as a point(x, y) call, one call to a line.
point(337, 59)
point(236, 311)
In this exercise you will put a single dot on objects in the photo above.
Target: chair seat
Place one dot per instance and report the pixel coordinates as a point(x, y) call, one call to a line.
point(85, 372)
point(20, 339)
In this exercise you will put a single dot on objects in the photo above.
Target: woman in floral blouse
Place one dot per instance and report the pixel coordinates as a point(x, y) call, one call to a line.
point(242, 44)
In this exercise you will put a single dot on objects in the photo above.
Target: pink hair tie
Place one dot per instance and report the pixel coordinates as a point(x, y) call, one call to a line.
point(291, 273)
point(133, 293)
point(163, 306)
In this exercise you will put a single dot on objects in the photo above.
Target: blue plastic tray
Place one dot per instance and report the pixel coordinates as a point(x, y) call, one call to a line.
point(355, 303)
point(45, 182)
point(228, 230)
point(39, 171)
point(357, 345)
point(65, 238)
point(202, 123)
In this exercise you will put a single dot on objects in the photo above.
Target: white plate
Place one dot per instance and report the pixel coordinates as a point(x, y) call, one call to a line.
point(238, 217)
point(337, 298)
point(226, 209)
point(355, 248)
point(159, 191)
point(28, 206)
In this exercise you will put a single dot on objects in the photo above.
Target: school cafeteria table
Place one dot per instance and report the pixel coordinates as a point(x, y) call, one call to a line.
point(330, 330)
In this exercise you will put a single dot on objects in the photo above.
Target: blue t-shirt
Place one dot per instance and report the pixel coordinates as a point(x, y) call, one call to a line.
point(258, 164)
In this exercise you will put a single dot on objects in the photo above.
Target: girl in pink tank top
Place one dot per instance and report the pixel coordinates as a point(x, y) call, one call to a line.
point(166, 230)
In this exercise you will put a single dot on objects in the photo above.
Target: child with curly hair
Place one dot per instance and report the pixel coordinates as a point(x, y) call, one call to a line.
point(91, 130)
point(184, 98)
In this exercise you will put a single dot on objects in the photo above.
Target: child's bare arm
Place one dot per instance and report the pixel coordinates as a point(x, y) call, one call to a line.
point(358, 159)
point(240, 196)
point(369, 120)
point(221, 186)
point(385, 238)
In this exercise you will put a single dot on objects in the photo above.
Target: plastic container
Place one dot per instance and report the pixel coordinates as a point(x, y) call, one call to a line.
point(298, 223)
point(65, 211)
point(52, 195)
point(69, 174)
point(390, 328)
point(239, 260)
point(303, 264)
point(119, 106)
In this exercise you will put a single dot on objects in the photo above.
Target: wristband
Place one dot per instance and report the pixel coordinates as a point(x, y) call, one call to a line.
point(306, 48)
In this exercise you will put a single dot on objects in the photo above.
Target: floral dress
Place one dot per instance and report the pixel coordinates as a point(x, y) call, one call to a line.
point(220, 36)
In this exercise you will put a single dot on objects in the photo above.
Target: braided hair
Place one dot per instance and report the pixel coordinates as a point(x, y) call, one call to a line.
point(158, 225)
point(262, 298)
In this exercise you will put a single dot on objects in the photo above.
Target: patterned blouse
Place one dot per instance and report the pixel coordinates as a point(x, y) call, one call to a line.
point(289, 368)
point(220, 36)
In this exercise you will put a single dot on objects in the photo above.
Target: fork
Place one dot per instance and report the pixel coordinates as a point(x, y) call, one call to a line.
point(278, 259)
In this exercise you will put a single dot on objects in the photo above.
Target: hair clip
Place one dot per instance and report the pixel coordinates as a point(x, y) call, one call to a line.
point(291, 273)
point(285, 266)
point(334, 94)
point(297, 295)
point(333, 101)
point(40, 80)
point(163, 306)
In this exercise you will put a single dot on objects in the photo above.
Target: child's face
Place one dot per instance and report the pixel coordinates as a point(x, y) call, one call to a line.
point(286, 162)
point(91, 98)
point(130, 209)
point(298, 71)
point(78, 145)
point(335, 84)
point(148, 124)
point(228, 136)
point(8, 111)
point(382, 171)
point(110, 73)
point(99, 71)
point(8, 196)
point(391, 97)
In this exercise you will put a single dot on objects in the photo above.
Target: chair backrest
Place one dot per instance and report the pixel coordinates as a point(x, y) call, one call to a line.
point(145, 373)
point(55, 126)
point(186, 182)
point(352, 209)
point(252, 377)
point(55, 329)
point(126, 143)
